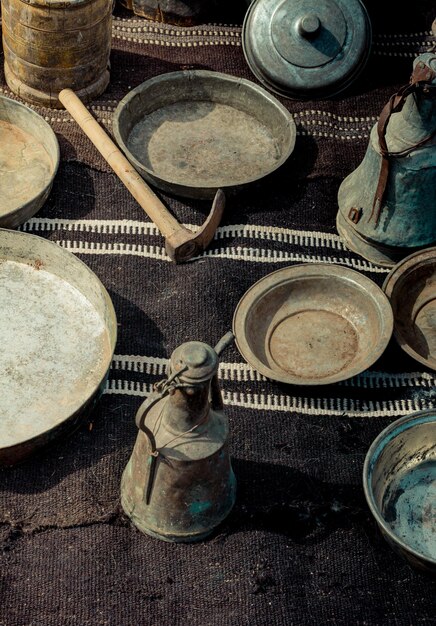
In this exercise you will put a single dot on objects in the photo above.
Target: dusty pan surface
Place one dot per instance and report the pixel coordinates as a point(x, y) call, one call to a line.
point(312, 324)
point(193, 132)
point(56, 338)
point(29, 156)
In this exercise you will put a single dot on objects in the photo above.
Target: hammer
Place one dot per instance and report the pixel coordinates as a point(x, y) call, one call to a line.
point(181, 244)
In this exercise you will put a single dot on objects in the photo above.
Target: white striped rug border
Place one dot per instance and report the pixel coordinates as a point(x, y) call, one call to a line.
point(287, 404)
point(314, 239)
point(133, 227)
point(212, 27)
point(149, 33)
point(238, 253)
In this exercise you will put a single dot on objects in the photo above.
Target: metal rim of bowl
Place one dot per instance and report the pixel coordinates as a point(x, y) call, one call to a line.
point(43, 193)
point(187, 75)
point(51, 435)
point(402, 269)
point(385, 314)
point(377, 446)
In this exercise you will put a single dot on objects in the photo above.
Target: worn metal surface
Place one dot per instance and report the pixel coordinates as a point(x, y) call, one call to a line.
point(179, 483)
point(57, 337)
point(183, 12)
point(407, 219)
point(301, 49)
point(399, 479)
point(411, 289)
point(29, 159)
point(193, 132)
point(312, 324)
point(50, 45)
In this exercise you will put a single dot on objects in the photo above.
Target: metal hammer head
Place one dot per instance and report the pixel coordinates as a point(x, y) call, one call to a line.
point(183, 244)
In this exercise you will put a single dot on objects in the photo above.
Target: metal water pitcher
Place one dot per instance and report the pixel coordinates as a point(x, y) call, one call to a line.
point(387, 206)
point(179, 484)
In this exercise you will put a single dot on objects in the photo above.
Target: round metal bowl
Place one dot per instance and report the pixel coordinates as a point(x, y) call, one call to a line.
point(190, 133)
point(57, 337)
point(411, 289)
point(29, 159)
point(312, 324)
point(399, 479)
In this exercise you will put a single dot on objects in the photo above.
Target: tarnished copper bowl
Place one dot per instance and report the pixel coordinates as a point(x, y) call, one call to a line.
point(411, 288)
point(312, 324)
point(399, 479)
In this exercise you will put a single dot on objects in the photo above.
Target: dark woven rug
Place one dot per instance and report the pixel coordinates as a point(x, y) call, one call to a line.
point(300, 546)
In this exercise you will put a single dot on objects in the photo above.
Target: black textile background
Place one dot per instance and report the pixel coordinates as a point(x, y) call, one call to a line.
point(300, 546)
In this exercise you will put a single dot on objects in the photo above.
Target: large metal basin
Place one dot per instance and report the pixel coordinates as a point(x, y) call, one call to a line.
point(57, 337)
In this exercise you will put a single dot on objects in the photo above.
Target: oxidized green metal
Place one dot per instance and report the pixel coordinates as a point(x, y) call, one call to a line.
point(399, 480)
point(387, 205)
point(179, 484)
point(304, 49)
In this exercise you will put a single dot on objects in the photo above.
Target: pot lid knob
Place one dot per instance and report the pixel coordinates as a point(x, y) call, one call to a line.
point(306, 48)
point(308, 25)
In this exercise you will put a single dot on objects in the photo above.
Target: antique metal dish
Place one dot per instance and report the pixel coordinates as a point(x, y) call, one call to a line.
point(193, 132)
point(411, 288)
point(399, 479)
point(312, 324)
point(29, 159)
point(57, 337)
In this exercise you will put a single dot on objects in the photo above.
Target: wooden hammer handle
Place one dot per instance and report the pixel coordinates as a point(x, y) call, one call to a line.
point(148, 200)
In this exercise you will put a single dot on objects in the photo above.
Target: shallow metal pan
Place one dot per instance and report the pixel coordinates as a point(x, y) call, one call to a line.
point(57, 337)
point(29, 159)
point(190, 133)
point(411, 289)
point(312, 324)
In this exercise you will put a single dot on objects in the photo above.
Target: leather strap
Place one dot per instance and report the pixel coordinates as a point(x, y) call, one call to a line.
point(420, 79)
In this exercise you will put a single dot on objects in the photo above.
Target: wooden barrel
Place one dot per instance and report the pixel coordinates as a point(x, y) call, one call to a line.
point(50, 45)
point(182, 12)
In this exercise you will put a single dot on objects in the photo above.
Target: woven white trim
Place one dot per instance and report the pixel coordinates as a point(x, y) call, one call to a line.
point(251, 255)
point(259, 255)
point(205, 29)
point(90, 247)
point(287, 404)
point(131, 227)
